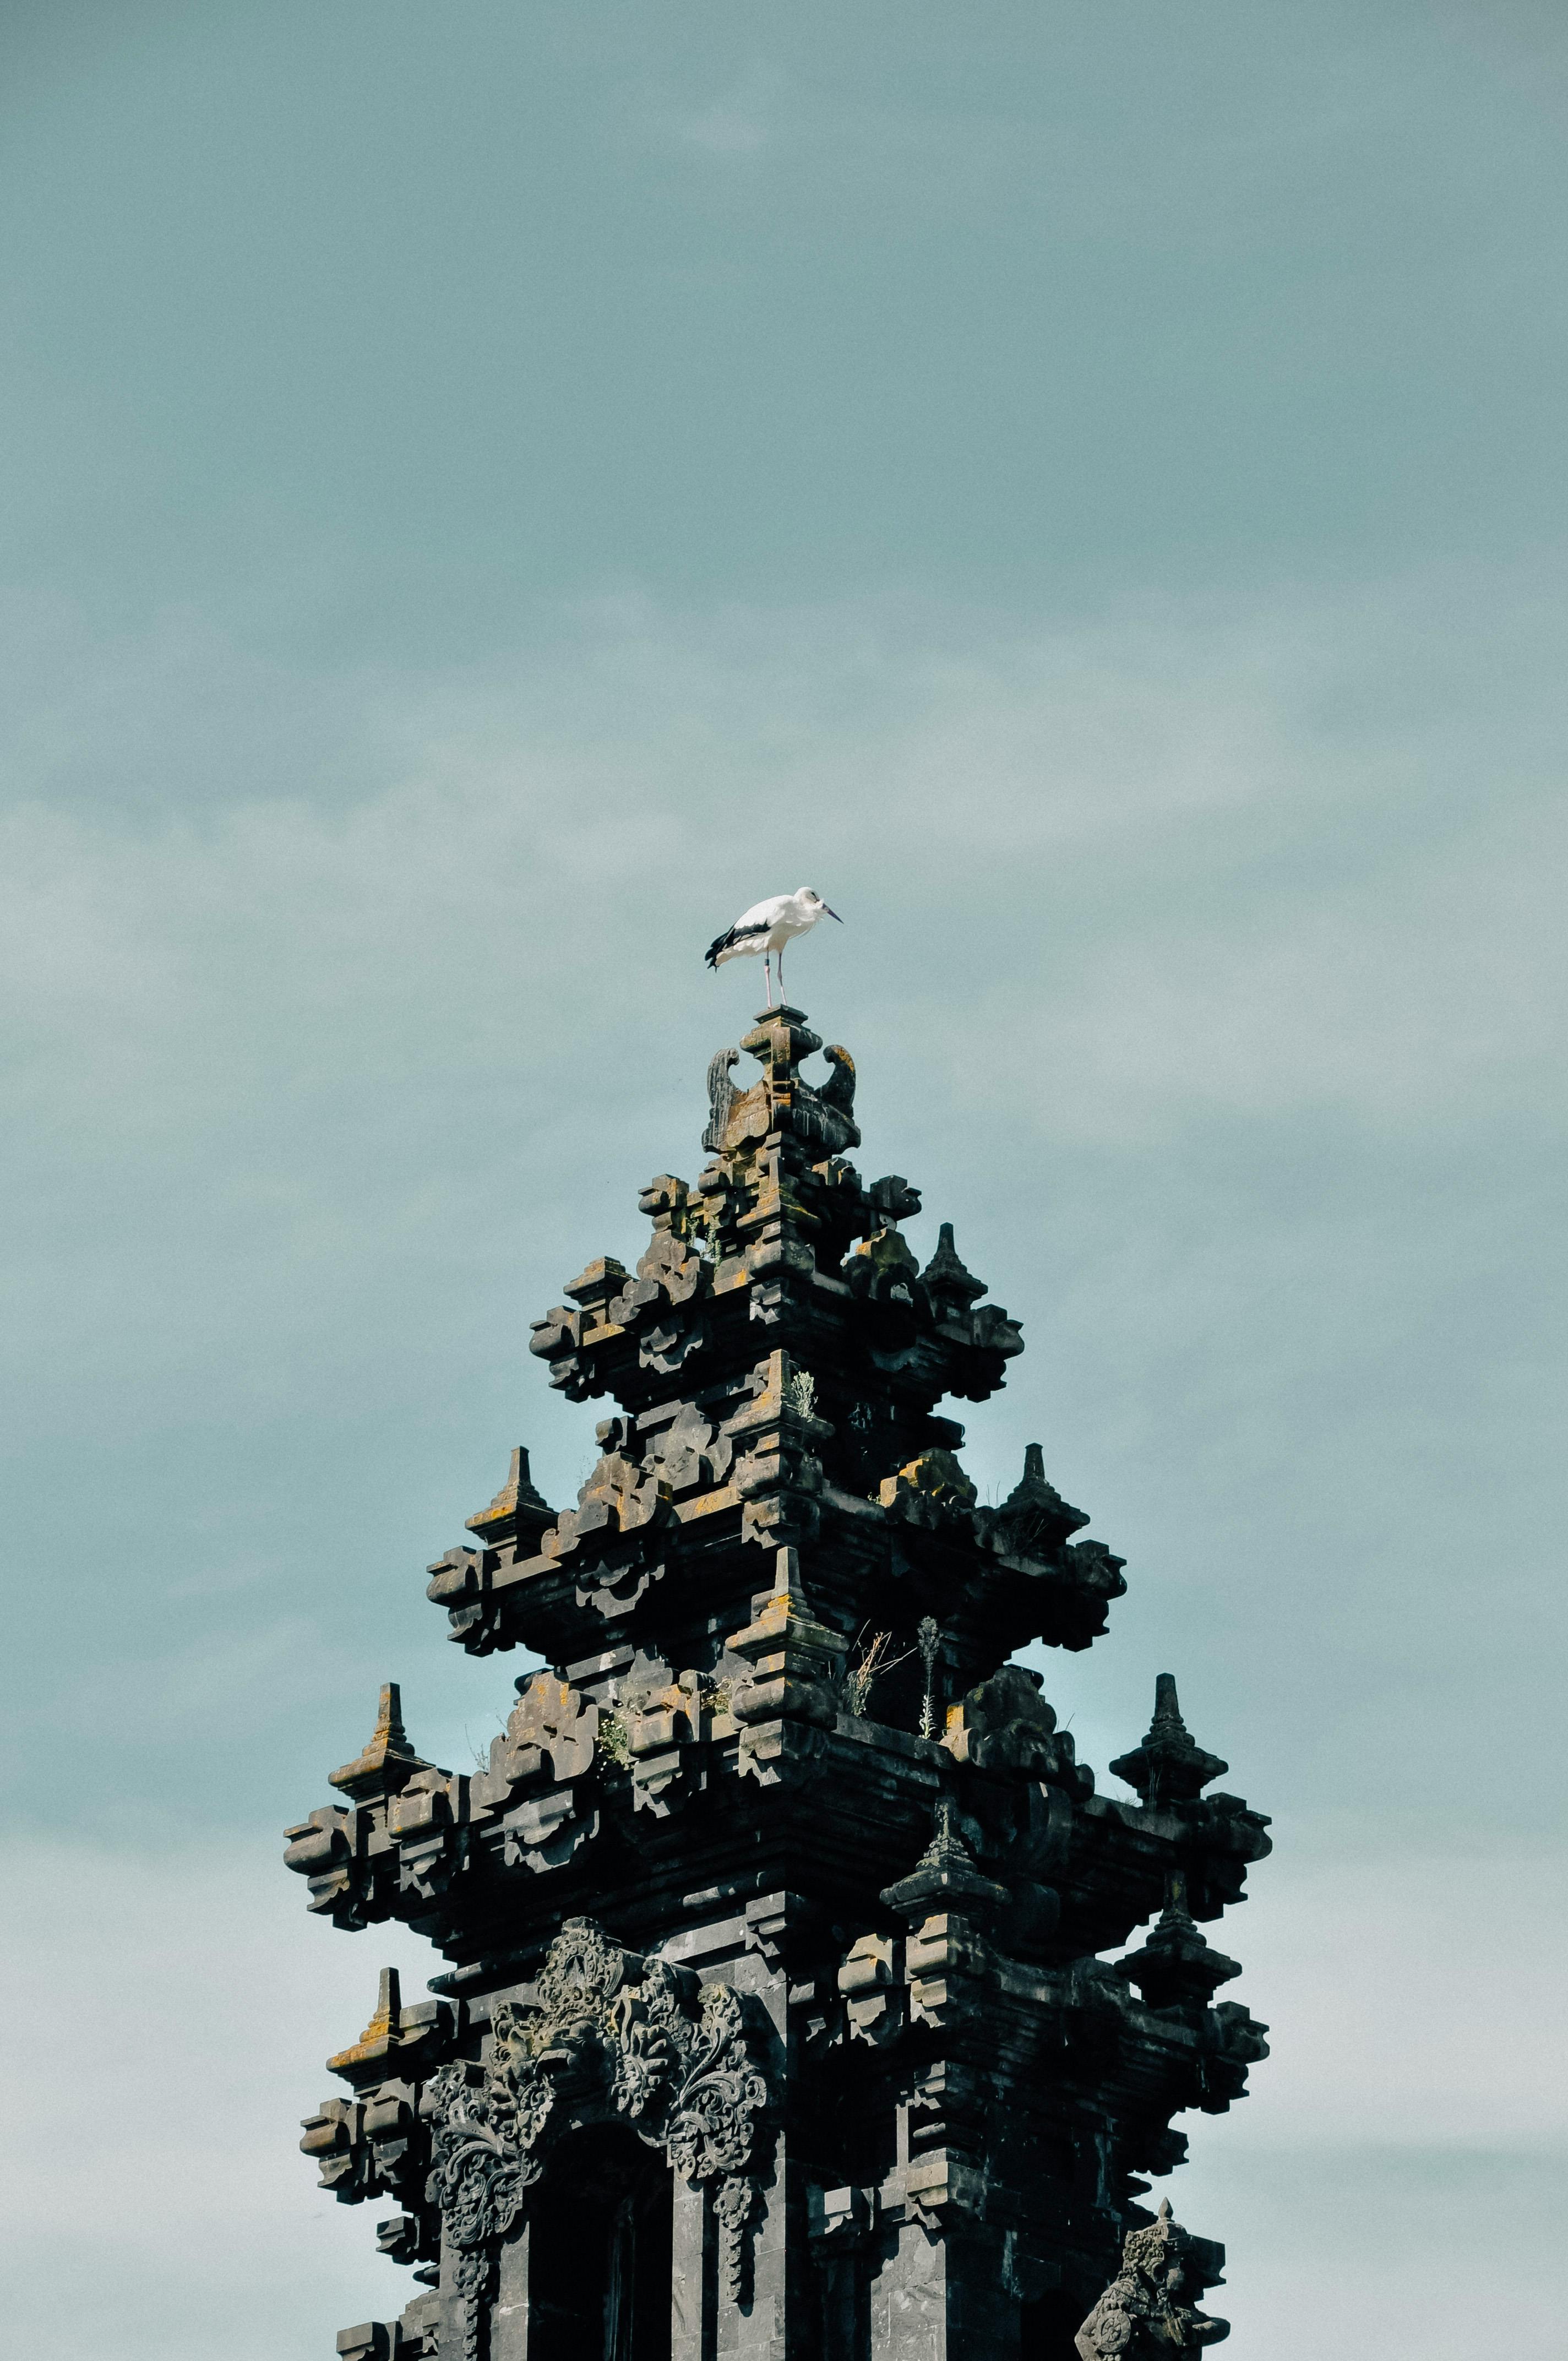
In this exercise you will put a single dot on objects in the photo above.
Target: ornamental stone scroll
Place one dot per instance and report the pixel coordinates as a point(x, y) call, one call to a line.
point(609, 2033)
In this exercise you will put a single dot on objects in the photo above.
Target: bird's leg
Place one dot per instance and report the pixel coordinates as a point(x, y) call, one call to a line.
point(768, 973)
point(781, 975)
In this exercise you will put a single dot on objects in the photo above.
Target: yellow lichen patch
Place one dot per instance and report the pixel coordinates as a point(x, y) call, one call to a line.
point(382, 2030)
point(935, 1475)
point(707, 1504)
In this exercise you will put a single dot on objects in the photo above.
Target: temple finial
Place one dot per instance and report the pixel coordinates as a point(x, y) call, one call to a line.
point(1176, 1966)
point(1169, 1767)
point(951, 1285)
point(388, 2005)
point(945, 1876)
point(1034, 1520)
point(382, 2032)
point(388, 1762)
point(519, 1510)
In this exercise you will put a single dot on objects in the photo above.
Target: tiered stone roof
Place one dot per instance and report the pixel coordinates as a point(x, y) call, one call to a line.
point(780, 1740)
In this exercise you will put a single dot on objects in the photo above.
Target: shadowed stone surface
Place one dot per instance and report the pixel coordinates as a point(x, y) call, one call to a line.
point(775, 2022)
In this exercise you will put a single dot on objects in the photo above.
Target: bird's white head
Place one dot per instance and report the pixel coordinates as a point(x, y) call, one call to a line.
point(812, 902)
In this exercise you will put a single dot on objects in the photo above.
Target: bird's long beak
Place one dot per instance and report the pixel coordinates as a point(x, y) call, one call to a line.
point(832, 914)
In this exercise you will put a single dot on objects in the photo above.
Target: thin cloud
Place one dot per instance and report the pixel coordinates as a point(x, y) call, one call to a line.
point(1204, 964)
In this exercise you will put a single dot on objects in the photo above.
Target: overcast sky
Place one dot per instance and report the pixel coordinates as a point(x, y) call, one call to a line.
point(489, 490)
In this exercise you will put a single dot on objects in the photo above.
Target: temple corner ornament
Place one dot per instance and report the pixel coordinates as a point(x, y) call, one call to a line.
point(801, 1996)
point(1143, 2314)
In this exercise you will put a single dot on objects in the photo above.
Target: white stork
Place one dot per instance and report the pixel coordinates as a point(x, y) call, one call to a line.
point(767, 927)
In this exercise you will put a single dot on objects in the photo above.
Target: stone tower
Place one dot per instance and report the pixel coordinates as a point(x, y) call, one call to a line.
point(775, 2022)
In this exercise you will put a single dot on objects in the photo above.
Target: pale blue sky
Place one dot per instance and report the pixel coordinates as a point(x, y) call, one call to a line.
point(489, 491)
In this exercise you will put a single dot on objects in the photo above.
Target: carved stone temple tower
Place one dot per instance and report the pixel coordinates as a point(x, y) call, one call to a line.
point(775, 2022)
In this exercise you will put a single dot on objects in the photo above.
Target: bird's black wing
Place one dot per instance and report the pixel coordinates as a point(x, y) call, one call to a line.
point(728, 940)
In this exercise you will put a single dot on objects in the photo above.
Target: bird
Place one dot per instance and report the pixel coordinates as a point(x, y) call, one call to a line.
point(766, 927)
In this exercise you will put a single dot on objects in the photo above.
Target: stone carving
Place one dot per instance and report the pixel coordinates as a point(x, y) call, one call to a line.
point(481, 2166)
point(694, 1453)
point(1142, 2312)
point(838, 1091)
point(618, 1497)
point(537, 1773)
point(721, 1095)
point(1007, 1724)
point(1167, 1767)
point(951, 1285)
point(945, 1877)
point(1035, 1520)
point(519, 1511)
point(620, 2035)
point(930, 1489)
point(826, 1115)
point(975, 2057)
point(388, 1762)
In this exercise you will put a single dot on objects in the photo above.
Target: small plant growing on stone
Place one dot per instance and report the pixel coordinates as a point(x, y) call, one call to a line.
point(872, 1660)
point(803, 1392)
point(614, 1740)
point(928, 1637)
point(481, 1753)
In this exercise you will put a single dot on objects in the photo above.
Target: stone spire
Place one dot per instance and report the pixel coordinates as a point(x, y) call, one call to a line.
point(518, 1513)
point(1176, 1968)
point(776, 1922)
point(1169, 1768)
point(945, 1876)
point(951, 1287)
point(387, 1761)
